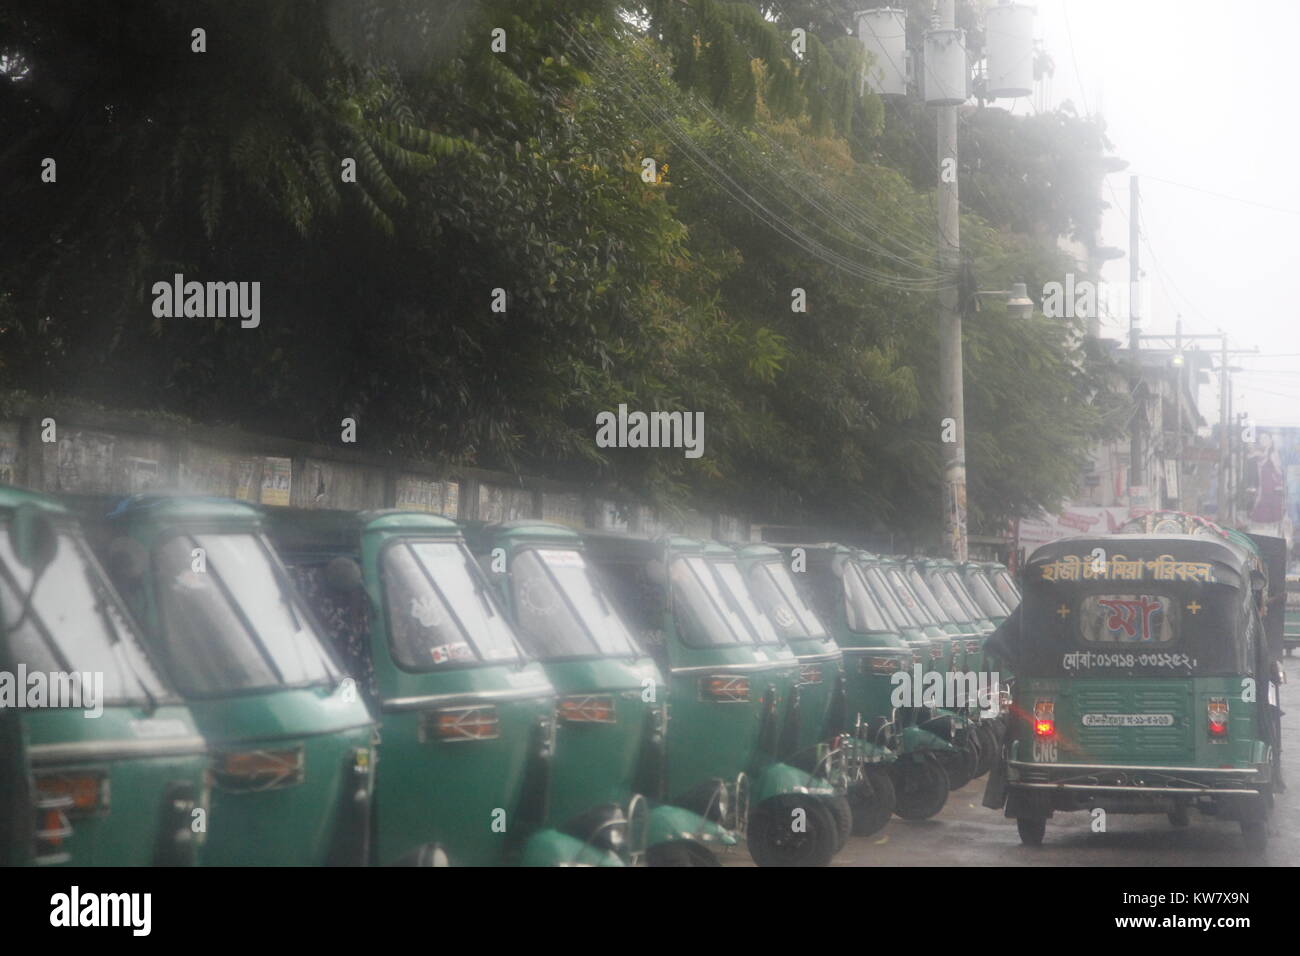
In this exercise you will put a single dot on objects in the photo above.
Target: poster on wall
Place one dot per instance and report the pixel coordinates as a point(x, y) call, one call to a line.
point(277, 479)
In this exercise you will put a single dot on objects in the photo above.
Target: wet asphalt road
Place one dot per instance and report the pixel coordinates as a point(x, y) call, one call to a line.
point(964, 833)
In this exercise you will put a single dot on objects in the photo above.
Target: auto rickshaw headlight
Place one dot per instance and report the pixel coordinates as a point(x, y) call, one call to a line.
point(1217, 718)
point(1044, 718)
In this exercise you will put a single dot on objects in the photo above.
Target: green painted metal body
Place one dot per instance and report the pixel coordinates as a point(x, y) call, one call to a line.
point(1134, 712)
point(721, 744)
point(606, 766)
point(143, 751)
point(308, 818)
point(482, 801)
point(873, 647)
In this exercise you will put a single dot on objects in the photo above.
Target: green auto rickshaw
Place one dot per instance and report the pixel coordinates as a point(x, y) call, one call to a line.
point(100, 761)
point(1291, 629)
point(885, 576)
point(466, 763)
point(819, 736)
point(292, 741)
point(979, 582)
point(1144, 684)
point(608, 769)
point(727, 698)
point(1004, 584)
point(879, 664)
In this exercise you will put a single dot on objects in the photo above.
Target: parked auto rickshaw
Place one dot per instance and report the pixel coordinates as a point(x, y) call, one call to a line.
point(980, 585)
point(726, 700)
point(1144, 684)
point(293, 743)
point(885, 576)
point(876, 653)
point(612, 718)
point(1004, 585)
point(820, 716)
point(105, 767)
point(467, 759)
point(1291, 631)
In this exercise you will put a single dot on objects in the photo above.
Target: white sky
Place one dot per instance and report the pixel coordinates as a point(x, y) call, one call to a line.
point(1195, 92)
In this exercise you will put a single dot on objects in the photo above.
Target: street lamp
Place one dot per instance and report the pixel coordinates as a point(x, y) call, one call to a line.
point(1018, 302)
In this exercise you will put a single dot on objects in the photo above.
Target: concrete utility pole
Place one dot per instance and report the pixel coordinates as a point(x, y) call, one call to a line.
point(950, 354)
point(1176, 499)
point(1136, 462)
point(1226, 506)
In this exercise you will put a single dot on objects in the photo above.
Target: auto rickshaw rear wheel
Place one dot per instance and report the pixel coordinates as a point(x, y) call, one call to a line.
point(1031, 830)
point(684, 853)
point(921, 786)
point(842, 811)
point(780, 836)
point(873, 801)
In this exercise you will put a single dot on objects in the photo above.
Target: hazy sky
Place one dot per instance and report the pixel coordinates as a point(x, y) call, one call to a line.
point(1194, 93)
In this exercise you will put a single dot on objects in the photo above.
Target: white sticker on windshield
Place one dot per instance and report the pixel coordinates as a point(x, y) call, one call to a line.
point(442, 653)
point(784, 618)
point(427, 611)
point(562, 559)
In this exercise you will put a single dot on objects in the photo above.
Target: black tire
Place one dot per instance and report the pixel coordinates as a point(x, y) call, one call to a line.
point(684, 853)
point(960, 764)
point(773, 841)
point(872, 809)
point(1031, 830)
point(921, 787)
point(989, 748)
point(1180, 816)
point(1255, 834)
point(841, 810)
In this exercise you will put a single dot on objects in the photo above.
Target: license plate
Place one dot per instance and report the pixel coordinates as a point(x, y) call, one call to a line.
point(1128, 720)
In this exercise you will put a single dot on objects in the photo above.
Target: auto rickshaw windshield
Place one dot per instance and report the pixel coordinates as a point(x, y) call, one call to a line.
point(784, 606)
point(884, 596)
point(955, 609)
point(984, 596)
point(441, 611)
point(74, 623)
point(926, 596)
point(908, 598)
point(961, 593)
point(863, 611)
point(707, 620)
point(562, 610)
point(734, 589)
point(1006, 588)
point(230, 620)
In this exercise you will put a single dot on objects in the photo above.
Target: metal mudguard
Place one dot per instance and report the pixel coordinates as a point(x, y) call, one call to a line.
point(913, 739)
point(669, 824)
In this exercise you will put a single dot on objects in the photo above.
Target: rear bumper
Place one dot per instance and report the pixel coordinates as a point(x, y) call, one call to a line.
point(1137, 779)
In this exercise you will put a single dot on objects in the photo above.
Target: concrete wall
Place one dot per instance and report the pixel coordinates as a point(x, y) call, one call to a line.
point(73, 450)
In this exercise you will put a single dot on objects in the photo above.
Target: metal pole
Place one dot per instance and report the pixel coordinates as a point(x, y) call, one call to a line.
point(1136, 467)
point(1225, 468)
point(950, 357)
point(1176, 500)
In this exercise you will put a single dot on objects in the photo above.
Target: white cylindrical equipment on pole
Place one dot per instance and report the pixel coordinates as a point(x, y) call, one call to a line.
point(945, 67)
point(1009, 32)
point(883, 34)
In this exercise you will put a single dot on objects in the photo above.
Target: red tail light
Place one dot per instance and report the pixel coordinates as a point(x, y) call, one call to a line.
point(588, 709)
point(1044, 718)
point(261, 769)
point(1217, 718)
point(810, 674)
point(457, 724)
point(881, 664)
point(725, 689)
point(936, 652)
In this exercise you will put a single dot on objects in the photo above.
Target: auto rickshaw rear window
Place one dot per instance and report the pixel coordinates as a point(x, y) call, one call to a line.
point(440, 610)
point(761, 629)
point(706, 619)
point(1128, 619)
